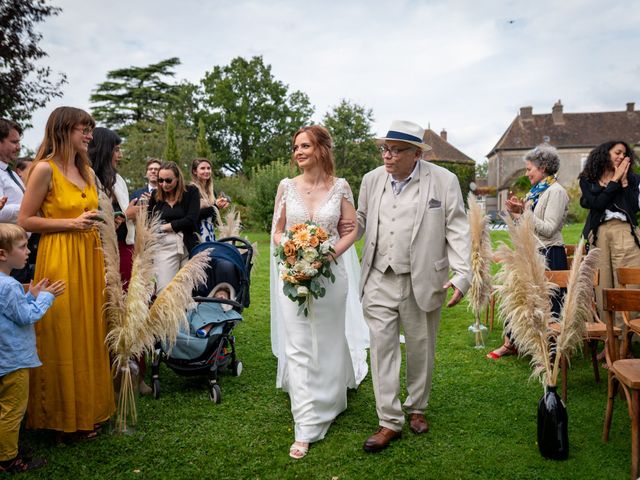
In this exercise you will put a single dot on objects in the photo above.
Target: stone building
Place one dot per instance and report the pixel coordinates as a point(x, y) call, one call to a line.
point(446, 155)
point(573, 134)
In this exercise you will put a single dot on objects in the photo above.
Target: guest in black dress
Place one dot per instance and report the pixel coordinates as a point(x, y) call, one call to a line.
point(178, 206)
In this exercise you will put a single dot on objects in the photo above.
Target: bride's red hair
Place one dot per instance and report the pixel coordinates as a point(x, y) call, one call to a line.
point(323, 144)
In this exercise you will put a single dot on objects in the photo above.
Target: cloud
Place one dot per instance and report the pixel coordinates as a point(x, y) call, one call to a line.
point(465, 66)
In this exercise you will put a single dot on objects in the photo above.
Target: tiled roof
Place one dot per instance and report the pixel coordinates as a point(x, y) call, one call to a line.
point(443, 151)
point(575, 130)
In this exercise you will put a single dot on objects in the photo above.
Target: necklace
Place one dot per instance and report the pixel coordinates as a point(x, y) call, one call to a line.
point(308, 192)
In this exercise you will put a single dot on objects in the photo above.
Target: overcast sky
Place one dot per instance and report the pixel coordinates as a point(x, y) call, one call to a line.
point(465, 66)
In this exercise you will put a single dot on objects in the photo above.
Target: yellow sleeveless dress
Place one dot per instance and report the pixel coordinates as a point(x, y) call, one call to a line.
point(72, 390)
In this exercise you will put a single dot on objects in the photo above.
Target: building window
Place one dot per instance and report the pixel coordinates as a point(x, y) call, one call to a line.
point(583, 161)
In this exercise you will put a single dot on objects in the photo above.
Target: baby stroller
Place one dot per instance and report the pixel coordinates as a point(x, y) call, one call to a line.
point(229, 264)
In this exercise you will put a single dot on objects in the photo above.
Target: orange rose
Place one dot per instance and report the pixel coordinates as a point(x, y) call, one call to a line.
point(314, 242)
point(291, 260)
point(322, 235)
point(289, 248)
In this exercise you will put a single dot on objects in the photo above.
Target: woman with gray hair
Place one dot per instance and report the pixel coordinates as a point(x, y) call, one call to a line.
point(550, 204)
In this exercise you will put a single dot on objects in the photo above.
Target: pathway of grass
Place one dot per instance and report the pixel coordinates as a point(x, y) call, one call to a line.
point(482, 415)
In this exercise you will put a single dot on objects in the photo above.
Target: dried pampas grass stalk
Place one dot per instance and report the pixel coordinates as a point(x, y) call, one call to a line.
point(576, 311)
point(134, 328)
point(169, 311)
point(481, 257)
point(525, 295)
point(113, 306)
point(230, 224)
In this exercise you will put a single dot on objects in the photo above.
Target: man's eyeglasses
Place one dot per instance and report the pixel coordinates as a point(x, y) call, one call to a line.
point(166, 180)
point(85, 130)
point(394, 151)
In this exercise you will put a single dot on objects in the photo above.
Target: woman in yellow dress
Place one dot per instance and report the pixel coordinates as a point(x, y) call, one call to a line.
point(72, 390)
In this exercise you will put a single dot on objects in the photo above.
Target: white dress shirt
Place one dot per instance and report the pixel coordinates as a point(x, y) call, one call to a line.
point(12, 187)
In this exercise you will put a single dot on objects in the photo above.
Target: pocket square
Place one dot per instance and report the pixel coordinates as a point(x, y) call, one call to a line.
point(433, 203)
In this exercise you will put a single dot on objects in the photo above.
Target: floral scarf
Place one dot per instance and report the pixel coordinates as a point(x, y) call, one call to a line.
point(537, 190)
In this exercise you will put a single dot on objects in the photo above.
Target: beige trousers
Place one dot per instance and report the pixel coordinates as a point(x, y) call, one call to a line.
point(617, 249)
point(388, 304)
point(169, 257)
point(14, 393)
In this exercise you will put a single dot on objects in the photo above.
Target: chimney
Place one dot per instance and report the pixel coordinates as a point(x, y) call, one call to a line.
point(631, 106)
point(443, 134)
point(526, 113)
point(556, 113)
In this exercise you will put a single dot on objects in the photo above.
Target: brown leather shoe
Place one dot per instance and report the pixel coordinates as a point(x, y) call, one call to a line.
point(418, 423)
point(380, 440)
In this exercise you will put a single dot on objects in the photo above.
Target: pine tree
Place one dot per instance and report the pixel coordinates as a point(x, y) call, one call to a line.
point(203, 150)
point(171, 152)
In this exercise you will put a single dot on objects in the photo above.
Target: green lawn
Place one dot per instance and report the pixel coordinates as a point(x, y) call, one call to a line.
point(482, 415)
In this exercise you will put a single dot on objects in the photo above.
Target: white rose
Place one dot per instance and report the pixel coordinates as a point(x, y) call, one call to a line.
point(303, 291)
point(309, 254)
point(301, 265)
point(324, 247)
point(310, 272)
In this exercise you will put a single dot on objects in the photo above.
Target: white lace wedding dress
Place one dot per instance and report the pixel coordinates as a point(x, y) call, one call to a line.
point(319, 356)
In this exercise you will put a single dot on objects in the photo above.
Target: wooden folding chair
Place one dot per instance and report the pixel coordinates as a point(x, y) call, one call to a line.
point(596, 329)
point(570, 250)
point(628, 278)
point(623, 372)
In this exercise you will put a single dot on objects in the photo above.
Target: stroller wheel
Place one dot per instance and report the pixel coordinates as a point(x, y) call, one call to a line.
point(155, 386)
point(215, 394)
point(236, 368)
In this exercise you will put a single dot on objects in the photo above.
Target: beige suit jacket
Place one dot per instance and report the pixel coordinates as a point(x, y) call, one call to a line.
point(440, 237)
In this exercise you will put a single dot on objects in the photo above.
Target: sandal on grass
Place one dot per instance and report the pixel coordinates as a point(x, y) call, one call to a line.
point(20, 464)
point(298, 450)
point(503, 351)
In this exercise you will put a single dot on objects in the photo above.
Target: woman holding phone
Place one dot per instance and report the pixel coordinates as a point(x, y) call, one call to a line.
point(72, 392)
point(104, 154)
point(178, 207)
point(209, 205)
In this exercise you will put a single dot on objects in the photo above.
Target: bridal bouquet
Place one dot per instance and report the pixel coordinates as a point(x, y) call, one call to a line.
point(304, 258)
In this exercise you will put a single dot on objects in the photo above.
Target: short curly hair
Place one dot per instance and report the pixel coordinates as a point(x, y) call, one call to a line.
point(545, 157)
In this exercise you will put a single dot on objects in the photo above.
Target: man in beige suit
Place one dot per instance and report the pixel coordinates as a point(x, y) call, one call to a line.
point(412, 215)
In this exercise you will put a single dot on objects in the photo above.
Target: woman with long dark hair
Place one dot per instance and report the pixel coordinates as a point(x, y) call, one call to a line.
point(72, 391)
point(610, 193)
point(105, 154)
point(178, 206)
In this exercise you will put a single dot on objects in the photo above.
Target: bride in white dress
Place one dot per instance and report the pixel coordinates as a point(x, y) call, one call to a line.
point(319, 356)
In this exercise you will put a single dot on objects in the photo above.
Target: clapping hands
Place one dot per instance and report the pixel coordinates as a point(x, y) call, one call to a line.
point(514, 205)
point(55, 288)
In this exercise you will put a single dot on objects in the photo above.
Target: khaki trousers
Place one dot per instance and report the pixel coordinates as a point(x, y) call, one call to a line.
point(169, 257)
point(617, 249)
point(389, 303)
point(14, 395)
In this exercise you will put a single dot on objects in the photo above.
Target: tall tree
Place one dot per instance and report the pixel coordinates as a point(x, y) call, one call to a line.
point(354, 147)
point(24, 87)
point(250, 115)
point(171, 150)
point(145, 140)
point(203, 150)
point(137, 94)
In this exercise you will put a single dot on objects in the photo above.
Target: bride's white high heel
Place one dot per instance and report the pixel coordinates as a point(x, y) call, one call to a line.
point(298, 451)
